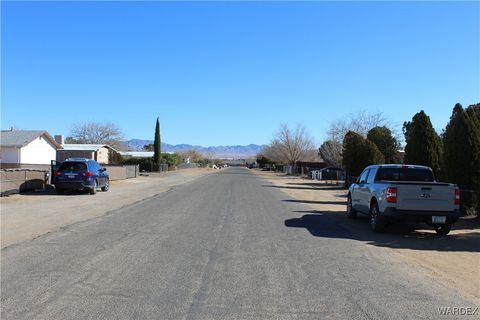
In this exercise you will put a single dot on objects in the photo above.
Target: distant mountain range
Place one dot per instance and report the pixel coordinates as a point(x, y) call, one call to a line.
point(218, 151)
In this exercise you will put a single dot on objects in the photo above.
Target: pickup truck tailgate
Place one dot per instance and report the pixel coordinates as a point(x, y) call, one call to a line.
point(425, 197)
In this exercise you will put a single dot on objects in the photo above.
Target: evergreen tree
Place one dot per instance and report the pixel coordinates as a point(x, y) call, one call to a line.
point(386, 143)
point(424, 146)
point(359, 153)
point(157, 151)
point(475, 108)
point(372, 155)
point(473, 120)
point(351, 142)
point(455, 145)
point(461, 158)
point(331, 153)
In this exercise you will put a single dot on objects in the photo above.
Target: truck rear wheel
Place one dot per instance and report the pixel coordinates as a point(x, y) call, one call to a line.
point(444, 229)
point(351, 213)
point(377, 223)
point(93, 190)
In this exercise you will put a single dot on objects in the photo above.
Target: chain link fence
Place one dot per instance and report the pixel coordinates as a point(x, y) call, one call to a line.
point(20, 180)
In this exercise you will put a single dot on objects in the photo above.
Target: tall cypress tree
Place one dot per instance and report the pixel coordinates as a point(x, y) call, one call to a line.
point(157, 151)
point(424, 146)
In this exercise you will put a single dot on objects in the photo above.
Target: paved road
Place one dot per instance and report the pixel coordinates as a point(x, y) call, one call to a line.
point(223, 247)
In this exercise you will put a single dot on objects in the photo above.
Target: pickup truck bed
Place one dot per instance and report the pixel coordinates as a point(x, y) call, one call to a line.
point(392, 200)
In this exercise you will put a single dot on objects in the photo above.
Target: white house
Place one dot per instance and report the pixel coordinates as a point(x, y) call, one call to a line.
point(19, 147)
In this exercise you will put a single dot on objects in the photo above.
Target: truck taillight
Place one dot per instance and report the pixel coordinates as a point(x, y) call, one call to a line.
point(457, 197)
point(88, 174)
point(57, 173)
point(391, 194)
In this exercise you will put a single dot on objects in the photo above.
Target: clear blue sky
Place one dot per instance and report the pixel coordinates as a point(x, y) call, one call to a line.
point(219, 73)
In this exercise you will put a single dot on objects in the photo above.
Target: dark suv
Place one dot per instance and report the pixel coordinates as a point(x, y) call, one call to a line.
point(81, 174)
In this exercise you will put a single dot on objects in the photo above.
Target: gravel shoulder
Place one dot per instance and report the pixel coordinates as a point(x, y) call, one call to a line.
point(454, 259)
point(29, 215)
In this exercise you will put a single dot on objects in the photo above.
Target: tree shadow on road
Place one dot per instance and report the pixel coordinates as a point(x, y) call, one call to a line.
point(327, 224)
point(52, 192)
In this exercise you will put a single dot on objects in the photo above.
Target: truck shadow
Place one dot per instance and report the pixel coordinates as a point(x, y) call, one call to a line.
point(293, 188)
point(322, 186)
point(328, 224)
point(343, 202)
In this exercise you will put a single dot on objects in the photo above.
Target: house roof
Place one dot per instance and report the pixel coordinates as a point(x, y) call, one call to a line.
point(20, 138)
point(138, 154)
point(85, 147)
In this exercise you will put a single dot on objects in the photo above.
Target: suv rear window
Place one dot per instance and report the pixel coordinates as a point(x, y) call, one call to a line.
point(73, 166)
point(405, 174)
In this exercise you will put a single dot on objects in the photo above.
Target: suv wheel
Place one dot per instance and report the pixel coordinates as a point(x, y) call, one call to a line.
point(59, 191)
point(444, 229)
point(94, 189)
point(106, 186)
point(351, 213)
point(377, 222)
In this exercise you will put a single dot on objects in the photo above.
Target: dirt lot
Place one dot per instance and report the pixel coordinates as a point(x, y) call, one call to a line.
point(454, 259)
point(19, 222)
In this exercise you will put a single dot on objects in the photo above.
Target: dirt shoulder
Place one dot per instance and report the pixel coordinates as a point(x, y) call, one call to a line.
point(454, 259)
point(26, 216)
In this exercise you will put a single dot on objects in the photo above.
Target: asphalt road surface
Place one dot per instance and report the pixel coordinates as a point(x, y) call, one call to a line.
point(226, 246)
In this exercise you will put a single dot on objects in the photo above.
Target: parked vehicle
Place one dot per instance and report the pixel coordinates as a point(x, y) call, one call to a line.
point(81, 174)
point(390, 193)
point(332, 173)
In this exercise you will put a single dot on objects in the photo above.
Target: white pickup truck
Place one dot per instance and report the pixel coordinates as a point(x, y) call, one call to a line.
point(395, 192)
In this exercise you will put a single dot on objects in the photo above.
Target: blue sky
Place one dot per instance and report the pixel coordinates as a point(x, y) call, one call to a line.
point(225, 73)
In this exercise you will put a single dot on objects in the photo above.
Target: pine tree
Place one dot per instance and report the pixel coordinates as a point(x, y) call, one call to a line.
point(424, 146)
point(157, 151)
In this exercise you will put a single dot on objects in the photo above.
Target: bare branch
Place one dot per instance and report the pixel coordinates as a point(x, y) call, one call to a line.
point(360, 122)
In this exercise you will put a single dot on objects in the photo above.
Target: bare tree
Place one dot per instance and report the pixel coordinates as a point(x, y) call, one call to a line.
point(359, 122)
point(192, 155)
point(331, 153)
point(96, 133)
point(291, 146)
point(272, 152)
